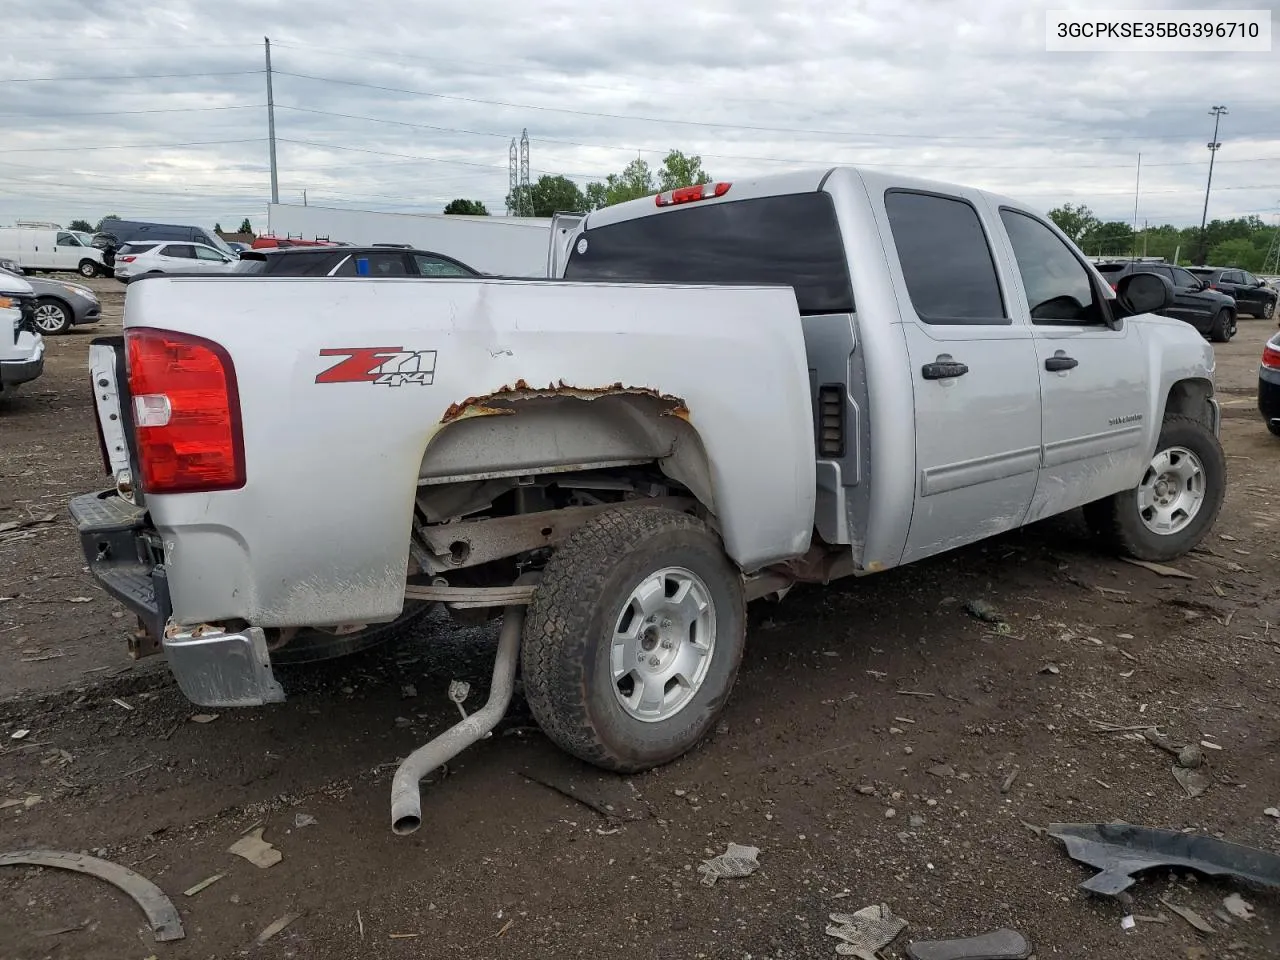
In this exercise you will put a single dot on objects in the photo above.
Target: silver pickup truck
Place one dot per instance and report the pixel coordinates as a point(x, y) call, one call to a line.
point(732, 388)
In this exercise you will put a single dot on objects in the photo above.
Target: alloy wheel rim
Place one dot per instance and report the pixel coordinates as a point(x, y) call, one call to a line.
point(49, 318)
point(1172, 491)
point(663, 639)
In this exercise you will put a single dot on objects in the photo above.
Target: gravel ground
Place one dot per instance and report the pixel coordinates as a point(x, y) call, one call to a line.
point(882, 746)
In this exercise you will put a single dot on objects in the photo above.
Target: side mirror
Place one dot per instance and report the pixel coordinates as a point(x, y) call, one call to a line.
point(1143, 293)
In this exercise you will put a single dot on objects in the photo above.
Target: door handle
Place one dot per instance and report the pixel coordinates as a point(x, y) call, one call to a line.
point(1060, 362)
point(944, 368)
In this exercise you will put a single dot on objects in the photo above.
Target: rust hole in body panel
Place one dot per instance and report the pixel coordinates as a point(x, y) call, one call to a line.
point(482, 405)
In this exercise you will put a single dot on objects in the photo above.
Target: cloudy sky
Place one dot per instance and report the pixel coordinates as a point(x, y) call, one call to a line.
point(157, 111)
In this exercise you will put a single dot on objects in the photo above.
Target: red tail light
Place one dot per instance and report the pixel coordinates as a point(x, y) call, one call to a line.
point(703, 191)
point(1271, 357)
point(186, 412)
point(126, 259)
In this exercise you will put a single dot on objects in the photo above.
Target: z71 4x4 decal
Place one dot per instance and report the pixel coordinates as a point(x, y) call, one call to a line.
point(389, 366)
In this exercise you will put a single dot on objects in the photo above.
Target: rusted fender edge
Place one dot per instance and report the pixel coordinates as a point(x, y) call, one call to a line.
point(480, 406)
point(160, 911)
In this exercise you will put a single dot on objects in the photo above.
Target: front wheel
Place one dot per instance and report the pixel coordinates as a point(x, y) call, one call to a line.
point(633, 638)
point(1174, 504)
point(52, 317)
point(88, 268)
point(1224, 326)
point(1268, 310)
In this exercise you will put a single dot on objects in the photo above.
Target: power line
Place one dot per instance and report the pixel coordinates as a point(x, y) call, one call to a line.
point(129, 146)
point(115, 113)
point(131, 76)
point(708, 123)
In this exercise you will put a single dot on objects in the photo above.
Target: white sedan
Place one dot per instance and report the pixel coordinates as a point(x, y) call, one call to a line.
point(135, 260)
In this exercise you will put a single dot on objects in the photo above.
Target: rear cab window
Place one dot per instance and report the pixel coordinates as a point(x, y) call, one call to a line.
point(945, 257)
point(790, 240)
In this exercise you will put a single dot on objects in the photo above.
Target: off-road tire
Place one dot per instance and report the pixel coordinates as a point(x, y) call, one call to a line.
point(568, 633)
point(1115, 519)
point(1224, 326)
point(313, 646)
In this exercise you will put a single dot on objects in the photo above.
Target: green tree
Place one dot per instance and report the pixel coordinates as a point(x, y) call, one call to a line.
point(1240, 253)
point(677, 171)
point(635, 181)
point(1074, 221)
point(1110, 239)
point(548, 195)
point(468, 208)
point(84, 226)
point(245, 226)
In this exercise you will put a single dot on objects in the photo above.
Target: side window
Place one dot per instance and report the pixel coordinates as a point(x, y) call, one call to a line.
point(181, 250)
point(946, 261)
point(373, 265)
point(67, 240)
point(1059, 287)
point(1235, 277)
point(1155, 268)
point(1185, 278)
point(1248, 279)
point(205, 253)
point(434, 267)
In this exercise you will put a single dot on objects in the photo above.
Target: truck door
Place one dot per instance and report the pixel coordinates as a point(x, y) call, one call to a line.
point(973, 375)
point(1093, 372)
point(66, 250)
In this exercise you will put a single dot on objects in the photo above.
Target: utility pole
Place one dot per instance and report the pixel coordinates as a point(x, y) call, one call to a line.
point(1136, 184)
point(1213, 145)
point(304, 197)
point(271, 127)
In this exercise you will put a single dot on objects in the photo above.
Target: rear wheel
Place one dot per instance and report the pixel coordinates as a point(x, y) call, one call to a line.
point(1176, 501)
point(52, 317)
point(633, 638)
point(1224, 326)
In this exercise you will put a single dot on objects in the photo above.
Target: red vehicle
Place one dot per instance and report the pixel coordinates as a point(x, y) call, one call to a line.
point(279, 243)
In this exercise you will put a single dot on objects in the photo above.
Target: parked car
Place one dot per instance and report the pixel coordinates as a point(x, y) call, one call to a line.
point(135, 260)
point(732, 388)
point(351, 262)
point(1252, 296)
point(11, 266)
point(37, 248)
point(1269, 384)
point(1212, 312)
point(121, 232)
point(59, 306)
point(21, 346)
point(237, 246)
point(269, 242)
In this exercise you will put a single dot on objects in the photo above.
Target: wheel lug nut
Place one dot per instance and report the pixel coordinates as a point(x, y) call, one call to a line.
point(666, 644)
point(653, 661)
point(641, 658)
point(666, 624)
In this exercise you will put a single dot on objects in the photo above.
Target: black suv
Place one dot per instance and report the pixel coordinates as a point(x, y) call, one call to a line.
point(1252, 295)
point(375, 261)
point(1210, 311)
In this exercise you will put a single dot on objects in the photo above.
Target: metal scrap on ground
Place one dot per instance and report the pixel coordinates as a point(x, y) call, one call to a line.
point(865, 931)
point(998, 945)
point(1121, 850)
point(738, 860)
point(160, 911)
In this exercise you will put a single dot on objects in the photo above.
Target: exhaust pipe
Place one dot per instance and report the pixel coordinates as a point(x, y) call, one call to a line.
point(406, 798)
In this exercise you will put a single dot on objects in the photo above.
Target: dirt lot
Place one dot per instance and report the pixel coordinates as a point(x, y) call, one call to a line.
point(869, 751)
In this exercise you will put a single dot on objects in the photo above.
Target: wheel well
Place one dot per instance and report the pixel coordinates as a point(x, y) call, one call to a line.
point(1190, 398)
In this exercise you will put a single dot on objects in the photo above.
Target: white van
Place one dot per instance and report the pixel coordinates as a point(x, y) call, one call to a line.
point(37, 248)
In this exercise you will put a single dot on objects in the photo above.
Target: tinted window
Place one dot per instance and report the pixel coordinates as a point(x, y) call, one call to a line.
point(136, 248)
point(302, 265)
point(373, 265)
point(1184, 278)
point(1249, 279)
point(1155, 268)
point(1058, 286)
point(791, 240)
point(945, 259)
point(435, 267)
point(1108, 268)
point(183, 250)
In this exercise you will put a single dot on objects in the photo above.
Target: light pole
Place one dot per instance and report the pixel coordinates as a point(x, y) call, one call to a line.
point(1213, 146)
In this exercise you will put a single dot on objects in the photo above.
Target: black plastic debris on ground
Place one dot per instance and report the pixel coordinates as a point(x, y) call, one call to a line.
point(1121, 850)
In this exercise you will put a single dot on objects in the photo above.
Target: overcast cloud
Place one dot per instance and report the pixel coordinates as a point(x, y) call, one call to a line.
point(399, 106)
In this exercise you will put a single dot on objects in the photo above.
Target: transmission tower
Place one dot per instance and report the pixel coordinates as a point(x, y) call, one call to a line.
point(1271, 263)
point(513, 194)
point(526, 198)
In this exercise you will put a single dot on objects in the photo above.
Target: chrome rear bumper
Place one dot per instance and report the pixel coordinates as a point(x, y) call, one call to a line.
point(218, 669)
